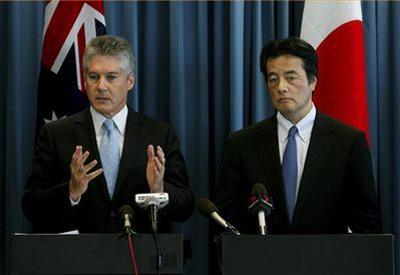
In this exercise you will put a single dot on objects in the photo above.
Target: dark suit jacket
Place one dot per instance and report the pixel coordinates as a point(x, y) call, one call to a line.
point(336, 189)
point(46, 200)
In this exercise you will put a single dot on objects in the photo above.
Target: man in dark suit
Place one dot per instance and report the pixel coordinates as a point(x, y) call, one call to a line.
point(87, 166)
point(317, 170)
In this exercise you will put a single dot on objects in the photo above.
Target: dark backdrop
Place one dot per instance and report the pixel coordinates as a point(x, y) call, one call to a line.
point(197, 69)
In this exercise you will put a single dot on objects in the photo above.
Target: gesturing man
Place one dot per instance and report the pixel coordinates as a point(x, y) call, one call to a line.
point(88, 165)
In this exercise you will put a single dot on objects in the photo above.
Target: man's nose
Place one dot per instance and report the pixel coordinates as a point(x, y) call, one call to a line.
point(102, 83)
point(283, 87)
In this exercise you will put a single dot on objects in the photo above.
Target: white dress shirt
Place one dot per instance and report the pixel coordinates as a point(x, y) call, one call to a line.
point(119, 120)
point(304, 126)
point(98, 119)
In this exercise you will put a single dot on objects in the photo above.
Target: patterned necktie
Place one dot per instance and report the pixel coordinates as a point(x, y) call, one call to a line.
point(289, 171)
point(109, 154)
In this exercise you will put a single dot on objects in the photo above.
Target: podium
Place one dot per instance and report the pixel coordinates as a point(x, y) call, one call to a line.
point(350, 254)
point(93, 254)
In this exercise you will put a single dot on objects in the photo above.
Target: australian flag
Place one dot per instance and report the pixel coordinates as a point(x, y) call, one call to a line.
point(68, 27)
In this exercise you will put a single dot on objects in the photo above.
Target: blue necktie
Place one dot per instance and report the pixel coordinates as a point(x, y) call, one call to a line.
point(289, 171)
point(109, 153)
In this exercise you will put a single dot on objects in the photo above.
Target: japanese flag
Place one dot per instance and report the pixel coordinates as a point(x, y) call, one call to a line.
point(335, 30)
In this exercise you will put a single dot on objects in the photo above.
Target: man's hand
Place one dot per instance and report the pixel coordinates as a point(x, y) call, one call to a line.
point(80, 176)
point(155, 169)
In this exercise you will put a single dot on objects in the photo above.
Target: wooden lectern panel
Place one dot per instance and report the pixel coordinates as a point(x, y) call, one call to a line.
point(349, 254)
point(93, 254)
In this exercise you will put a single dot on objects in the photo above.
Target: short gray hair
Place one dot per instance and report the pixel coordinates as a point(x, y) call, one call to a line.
point(109, 45)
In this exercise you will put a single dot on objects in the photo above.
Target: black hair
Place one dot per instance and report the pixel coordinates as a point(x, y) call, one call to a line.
point(291, 46)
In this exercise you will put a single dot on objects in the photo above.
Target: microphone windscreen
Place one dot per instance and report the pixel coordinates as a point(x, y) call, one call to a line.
point(205, 207)
point(258, 189)
point(126, 209)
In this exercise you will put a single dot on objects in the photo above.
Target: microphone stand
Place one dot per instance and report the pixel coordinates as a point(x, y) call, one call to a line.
point(128, 230)
point(159, 256)
point(129, 233)
point(232, 229)
point(262, 224)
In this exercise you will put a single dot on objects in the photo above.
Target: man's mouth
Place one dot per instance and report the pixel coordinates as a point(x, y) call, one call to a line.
point(283, 99)
point(102, 99)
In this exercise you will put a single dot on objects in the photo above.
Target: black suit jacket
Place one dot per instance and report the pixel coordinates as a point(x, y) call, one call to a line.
point(46, 200)
point(336, 189)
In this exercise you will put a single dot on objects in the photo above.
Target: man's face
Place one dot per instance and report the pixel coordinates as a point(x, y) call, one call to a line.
point(289, 87)
point(107, 85)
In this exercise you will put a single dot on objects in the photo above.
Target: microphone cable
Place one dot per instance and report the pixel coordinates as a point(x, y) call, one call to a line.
point(132, 253)
point(218, 250)
point(153, 215)
point(126, 212)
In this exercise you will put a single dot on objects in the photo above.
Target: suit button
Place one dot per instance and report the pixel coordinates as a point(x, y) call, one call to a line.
point(112, 214)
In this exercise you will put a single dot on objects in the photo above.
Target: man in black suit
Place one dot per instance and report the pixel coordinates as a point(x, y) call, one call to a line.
point(72, 188)
point(331, 185)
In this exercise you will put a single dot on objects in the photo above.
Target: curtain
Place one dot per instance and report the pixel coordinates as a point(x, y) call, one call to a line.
point(198, 69)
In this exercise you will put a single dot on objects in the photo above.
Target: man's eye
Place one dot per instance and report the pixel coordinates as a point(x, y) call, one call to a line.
point(93, 77)
point(272, 81)
point(111, 77)
point(292, 77)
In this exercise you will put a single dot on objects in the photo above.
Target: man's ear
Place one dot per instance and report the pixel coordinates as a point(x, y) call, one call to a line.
point(313, 83)
point(131, 81)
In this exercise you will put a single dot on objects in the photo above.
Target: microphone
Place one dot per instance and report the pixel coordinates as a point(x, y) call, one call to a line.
point(208, 209)
point(153, 202)
point(260, 204)
point(126, 213)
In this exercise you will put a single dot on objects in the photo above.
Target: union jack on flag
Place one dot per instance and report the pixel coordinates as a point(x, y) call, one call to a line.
point(68, 27)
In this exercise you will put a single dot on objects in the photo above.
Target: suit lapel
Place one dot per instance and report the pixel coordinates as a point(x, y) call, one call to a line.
point(318, 151)
point(270, 159)
point(85, 135)
point(133, 143)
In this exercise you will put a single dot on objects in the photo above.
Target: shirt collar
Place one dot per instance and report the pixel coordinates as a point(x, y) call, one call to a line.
point(304, 126)
point(119, 120)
